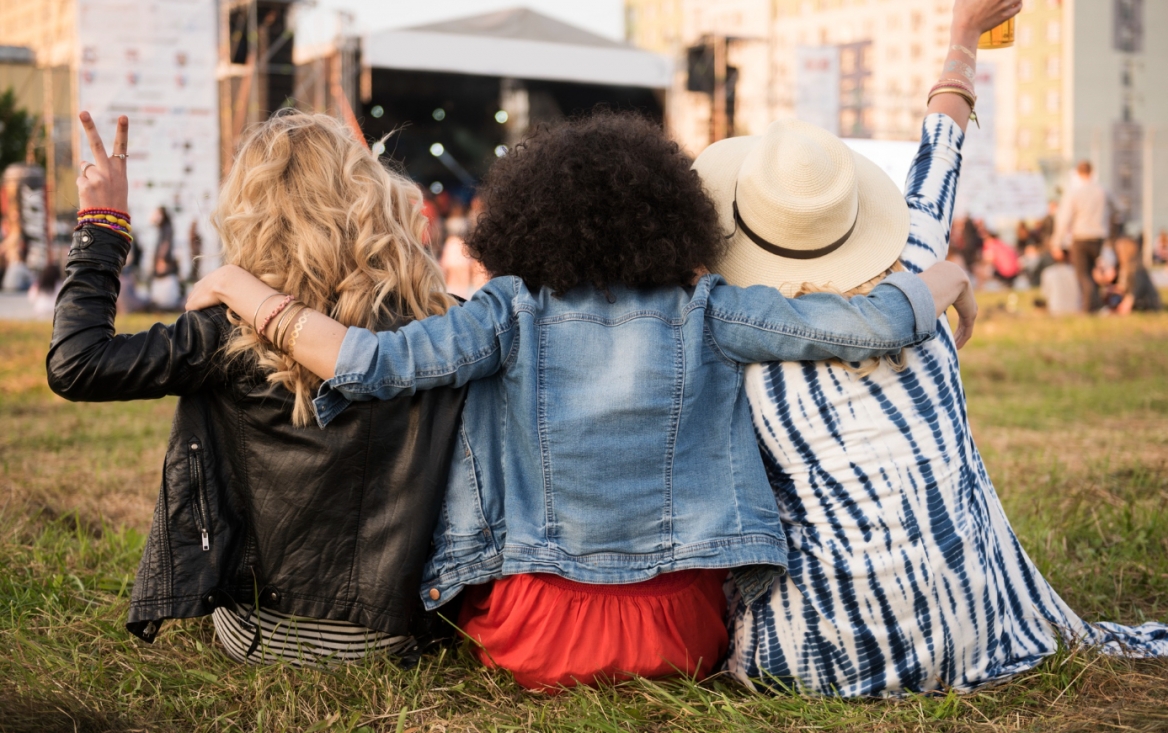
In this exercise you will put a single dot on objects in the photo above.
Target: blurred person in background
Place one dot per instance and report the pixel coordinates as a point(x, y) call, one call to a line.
point(196, 250)
point(165, 289)
point(1160, 249)
point(435, 234)
point(304, 545)
point(1045, 229)
point(1134, 284)
point(131, 271)
point(1106, 274)
point(1002, 258)
point(973, 234)
point(464, 274)
point(1023, 234)
point(1083, 220)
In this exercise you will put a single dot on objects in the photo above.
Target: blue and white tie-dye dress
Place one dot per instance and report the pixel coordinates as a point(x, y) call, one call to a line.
point(904, 573)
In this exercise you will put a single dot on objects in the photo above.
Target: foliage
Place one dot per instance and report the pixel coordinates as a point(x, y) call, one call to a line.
point(16, 129)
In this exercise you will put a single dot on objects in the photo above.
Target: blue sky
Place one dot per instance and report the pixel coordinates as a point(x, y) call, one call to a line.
point(603, 17)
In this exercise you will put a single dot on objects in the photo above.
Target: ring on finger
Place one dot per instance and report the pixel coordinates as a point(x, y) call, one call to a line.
point(123, 156)
point(85, 165)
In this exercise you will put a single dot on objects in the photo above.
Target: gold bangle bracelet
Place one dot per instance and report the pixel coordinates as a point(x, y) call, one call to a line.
point(971, 101)
point(280, 323)
point(952, 90)
point(296, 333)
point(283, 334)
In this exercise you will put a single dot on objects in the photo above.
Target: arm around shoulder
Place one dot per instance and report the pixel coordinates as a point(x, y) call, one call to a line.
point(469, 342)
point(760, 324)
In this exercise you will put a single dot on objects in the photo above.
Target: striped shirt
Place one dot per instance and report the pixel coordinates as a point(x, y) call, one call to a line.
point(300, 641)
point(904, 574)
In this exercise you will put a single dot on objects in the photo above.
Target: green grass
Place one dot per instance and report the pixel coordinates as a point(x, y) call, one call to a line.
point(1071, 415)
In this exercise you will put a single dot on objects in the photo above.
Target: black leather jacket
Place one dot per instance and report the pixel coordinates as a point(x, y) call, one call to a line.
point(329, 523)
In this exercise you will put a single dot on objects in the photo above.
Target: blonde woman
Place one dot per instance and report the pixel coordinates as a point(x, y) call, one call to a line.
point(305, 545)
point(903, 572)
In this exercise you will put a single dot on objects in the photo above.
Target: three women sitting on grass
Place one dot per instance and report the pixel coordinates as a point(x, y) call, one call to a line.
point(604, 478)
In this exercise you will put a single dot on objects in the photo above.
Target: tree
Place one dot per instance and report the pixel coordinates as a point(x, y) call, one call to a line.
point(16, 128)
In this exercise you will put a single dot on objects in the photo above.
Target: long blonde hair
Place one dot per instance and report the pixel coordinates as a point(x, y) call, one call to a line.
point(897, 360)
point(310, 211)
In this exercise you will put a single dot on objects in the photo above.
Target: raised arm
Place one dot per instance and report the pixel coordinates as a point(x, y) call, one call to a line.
point(86, 360)
point(931, 187)
point(930, 192)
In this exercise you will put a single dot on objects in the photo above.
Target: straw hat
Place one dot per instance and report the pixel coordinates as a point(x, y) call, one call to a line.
point(799, 206)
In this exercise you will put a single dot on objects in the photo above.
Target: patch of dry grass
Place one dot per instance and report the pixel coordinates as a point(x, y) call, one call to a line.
point(1072, 417)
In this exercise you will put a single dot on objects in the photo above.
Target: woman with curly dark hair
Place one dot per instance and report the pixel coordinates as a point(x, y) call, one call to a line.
point(608, 476)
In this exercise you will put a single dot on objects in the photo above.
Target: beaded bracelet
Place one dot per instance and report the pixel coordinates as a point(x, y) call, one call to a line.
point(120, 231)
point(97, 211)
point(256, 316)
point(106, 217)
point(282, 305)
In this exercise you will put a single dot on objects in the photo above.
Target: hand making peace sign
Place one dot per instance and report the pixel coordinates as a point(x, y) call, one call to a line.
point(102, 184)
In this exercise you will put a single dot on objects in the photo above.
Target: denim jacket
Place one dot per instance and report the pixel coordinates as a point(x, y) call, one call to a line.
point(606, 437)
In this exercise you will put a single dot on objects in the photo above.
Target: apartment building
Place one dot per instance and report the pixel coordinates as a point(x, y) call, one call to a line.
point(1079, 83)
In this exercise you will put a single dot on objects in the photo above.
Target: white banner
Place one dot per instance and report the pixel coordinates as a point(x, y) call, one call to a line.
point(817, 80)
point(154, 61)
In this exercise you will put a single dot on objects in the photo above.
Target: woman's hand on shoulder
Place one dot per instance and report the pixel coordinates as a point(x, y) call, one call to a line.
point(950, 286)
point(102, 184)
point(212, 289)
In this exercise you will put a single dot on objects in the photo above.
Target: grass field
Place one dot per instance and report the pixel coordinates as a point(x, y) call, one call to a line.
point(1071, 415)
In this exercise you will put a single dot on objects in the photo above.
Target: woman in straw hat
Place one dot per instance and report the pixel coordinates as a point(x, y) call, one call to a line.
point(904, 574)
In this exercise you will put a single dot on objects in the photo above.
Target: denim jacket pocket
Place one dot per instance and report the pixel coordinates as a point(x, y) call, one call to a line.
point(463, 529)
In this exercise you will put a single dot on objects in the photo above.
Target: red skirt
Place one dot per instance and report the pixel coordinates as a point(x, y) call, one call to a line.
point(550, 632)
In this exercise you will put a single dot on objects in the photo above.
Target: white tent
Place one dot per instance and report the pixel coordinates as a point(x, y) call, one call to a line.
point(520, 44)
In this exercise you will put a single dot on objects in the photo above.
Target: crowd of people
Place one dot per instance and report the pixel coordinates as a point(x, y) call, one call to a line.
point(450, 221)
point(1078, 255)
point(157, 284)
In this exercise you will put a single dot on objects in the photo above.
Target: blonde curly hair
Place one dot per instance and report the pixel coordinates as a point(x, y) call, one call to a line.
point(308, 209)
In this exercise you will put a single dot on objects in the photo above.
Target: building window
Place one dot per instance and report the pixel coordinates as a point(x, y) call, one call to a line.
point(1025, 104)
point(1024, 138)
point(1052, 138)
point(1053, 31)
point(1052, 101)
point(1053, 66)
point(1024, 34)
point(1025, 70)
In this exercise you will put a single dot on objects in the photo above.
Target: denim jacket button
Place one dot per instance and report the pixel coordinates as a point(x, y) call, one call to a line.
point(435, 594)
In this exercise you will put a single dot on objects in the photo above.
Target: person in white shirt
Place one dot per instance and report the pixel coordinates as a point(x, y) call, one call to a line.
point(1082, 217)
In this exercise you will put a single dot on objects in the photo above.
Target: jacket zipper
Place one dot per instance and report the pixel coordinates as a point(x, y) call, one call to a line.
point(200, 503)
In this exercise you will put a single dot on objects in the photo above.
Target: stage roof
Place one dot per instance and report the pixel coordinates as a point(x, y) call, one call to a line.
point(518, 43)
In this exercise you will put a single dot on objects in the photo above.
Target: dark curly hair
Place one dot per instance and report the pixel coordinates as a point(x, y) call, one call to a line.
point(603, 200)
